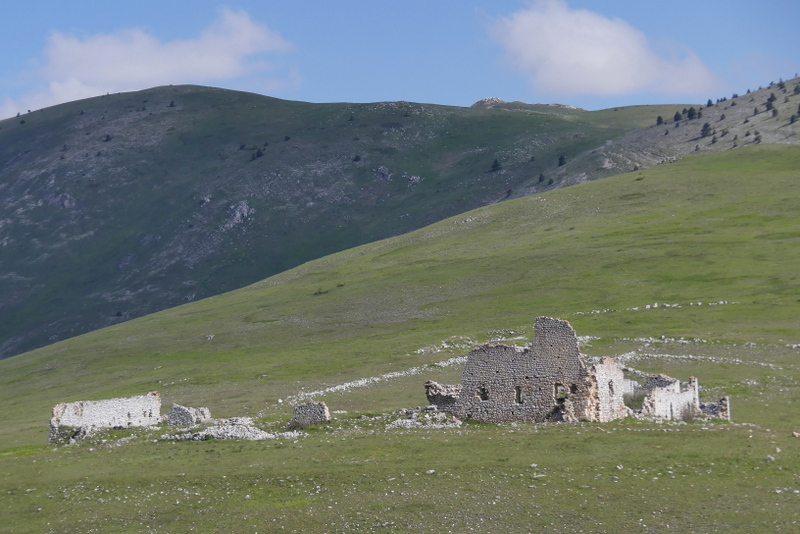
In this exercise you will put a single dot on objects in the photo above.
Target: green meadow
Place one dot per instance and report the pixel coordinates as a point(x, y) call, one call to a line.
point(688, 268)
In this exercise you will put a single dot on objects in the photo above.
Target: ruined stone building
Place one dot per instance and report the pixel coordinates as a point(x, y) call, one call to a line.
point(549, 381)
point(84, 417)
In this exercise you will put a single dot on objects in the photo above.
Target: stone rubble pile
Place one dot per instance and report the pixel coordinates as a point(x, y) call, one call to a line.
point(430, 418)
point(233, 428)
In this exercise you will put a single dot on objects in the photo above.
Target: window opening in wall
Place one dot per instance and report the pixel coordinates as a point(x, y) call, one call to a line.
point(483, 393)
point(611, 386)
point(518, 394)
point(560, 392)
point(573, 389)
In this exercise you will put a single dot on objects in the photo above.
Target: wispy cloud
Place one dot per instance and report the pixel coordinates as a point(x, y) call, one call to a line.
point(232, 47)
point(580, 52)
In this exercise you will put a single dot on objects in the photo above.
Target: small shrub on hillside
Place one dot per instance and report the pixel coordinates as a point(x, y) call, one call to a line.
point(562, 160)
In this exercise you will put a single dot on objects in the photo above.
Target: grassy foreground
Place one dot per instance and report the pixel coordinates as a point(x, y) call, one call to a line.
point(715, 237)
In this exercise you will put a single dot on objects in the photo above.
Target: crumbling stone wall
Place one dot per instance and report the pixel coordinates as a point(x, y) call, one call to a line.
point(720, 410)
point(444, 397)
point(141, 410)
point(667, 398)
point(545, 381)
point(186, 416)
point(310, 413)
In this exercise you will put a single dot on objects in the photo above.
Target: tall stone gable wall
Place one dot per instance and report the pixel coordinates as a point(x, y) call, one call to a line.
point(141, 410)
point(544, 381)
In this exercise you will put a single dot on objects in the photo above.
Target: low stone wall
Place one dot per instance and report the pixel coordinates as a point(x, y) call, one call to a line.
point(87, 416)
point(310, 413)
point(187, 416)
point(719, 410)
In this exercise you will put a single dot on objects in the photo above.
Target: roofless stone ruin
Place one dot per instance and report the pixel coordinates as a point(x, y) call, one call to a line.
point(549, 381)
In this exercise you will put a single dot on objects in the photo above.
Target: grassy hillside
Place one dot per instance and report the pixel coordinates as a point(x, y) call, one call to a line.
point(716, 237)
point(767, 115)
point(122, 205)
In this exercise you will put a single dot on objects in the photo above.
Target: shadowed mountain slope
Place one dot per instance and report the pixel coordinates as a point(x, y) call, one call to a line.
point(122, 205)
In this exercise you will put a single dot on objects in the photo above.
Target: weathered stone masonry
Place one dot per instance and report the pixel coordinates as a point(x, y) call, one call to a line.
point(310, 413)
point(141, 410)
point(549, 381)
point(187, 416)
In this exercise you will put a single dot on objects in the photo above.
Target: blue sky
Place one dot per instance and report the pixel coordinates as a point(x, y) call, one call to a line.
point(589, 53)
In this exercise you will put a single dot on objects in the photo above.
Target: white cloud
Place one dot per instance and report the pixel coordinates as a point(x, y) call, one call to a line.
point(131, 59)
point(579, 52)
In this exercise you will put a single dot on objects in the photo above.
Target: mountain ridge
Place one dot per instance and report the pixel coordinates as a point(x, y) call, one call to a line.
point(122, 205)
